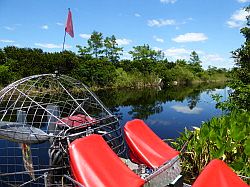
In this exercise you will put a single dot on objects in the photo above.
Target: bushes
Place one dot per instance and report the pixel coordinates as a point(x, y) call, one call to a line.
point(180, 74)
point(226, 138)
point(100, 71)
point(134, 79)
point(96, 72)
point(5, 75)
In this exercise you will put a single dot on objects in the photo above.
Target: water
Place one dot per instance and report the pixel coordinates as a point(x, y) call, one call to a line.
point(167, 111)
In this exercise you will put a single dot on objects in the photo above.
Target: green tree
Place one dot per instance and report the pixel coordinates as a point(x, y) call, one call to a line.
point(2, 57)
point(84, 52)
point(195, 62)
point(95, 72)
point(242, 54)
point(112, 51)
point(5, 75)
point(144, 58)
point(95, 43)
point(241, 83)
point(181, 62)
point(145, 52)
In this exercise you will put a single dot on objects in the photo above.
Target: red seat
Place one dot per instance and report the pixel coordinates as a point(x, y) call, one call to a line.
point(145, 146)
point(75, 121)
point(94, 164)
point(218, 174)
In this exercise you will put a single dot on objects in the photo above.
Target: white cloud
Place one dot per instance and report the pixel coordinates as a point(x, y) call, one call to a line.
point(207, 59)
point(161, 22)
point(190, 37)
point(137, 15)
point(52, 46)
point(161, 40)
point(123, 41)
point(17, 45)
point(159, 122)
point(157, 48)
point(59, 24)
point(168, 1)
point(216, 60)
point(187, 110)
point(9, 28)
point(243, 1)
point(6, 41)
point(177, 53)
point(239, 15)
point(213, 58)
point(238, 19)
point(233, 24)
point(85, 36)
point(126, 55)
point(45, 27)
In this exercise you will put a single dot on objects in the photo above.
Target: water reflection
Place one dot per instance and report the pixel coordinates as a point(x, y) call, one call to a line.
point(167, 111)
point(187, 110)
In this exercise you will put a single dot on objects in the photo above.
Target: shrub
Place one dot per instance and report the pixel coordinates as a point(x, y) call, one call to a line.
point(226, 138)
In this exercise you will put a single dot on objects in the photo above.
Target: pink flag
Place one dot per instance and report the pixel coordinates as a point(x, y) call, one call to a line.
point(69, 25)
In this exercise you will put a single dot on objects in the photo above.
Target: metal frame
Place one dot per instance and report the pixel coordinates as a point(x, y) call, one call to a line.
point(30, 98)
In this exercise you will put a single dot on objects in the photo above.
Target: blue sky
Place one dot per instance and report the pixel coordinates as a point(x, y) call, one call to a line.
point(177, 27)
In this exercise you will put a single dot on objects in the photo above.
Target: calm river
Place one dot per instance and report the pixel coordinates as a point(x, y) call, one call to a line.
point(167, 111)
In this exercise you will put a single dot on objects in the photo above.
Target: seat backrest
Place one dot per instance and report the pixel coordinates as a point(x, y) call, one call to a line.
point(146, 146)
point(217, 173)
point(94, 164)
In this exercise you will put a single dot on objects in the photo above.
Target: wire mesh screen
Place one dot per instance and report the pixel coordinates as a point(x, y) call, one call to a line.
point(39, 116)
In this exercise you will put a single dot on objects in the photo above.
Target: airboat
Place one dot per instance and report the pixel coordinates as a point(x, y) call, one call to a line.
point(54, 131)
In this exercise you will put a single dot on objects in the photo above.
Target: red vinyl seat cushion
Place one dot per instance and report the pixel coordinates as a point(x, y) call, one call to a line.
point(145, 146)
point(218, 174)
point(75, 121)
point(94, 164)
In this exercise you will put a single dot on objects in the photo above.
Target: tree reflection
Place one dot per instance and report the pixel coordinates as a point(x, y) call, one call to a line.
point(143, 103)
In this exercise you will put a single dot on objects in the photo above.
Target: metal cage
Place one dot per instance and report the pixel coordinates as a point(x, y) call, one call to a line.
point(39, 116)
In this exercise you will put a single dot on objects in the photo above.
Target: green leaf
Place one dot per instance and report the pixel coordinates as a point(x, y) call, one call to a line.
point(219, 153)
point(247, 147)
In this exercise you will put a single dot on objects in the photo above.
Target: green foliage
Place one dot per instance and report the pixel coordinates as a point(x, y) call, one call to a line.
point(2, 57)
point(241, 80)
point(98, 48)
point(134, 79)
point(98, 64)
point(144, 52)
point(226, 138)
point(5, 75)
point(95, 72)
point(112, 51)
point(145, 58)
point(195, 63)
point(180, 74)
point(95, 43)
point(194, 58)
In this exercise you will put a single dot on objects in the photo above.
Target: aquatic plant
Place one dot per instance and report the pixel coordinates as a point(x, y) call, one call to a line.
point(226, 138)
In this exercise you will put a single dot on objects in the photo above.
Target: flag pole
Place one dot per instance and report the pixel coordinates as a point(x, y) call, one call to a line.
point(69, 30)
point(64, 39)
point(64, 35)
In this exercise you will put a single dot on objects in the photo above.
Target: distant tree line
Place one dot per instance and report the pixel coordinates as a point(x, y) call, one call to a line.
point(99, 64)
